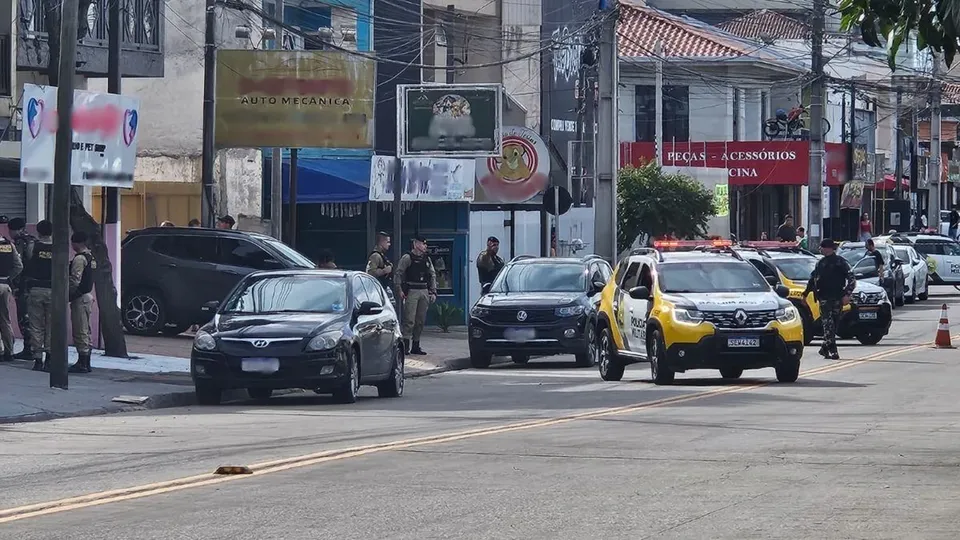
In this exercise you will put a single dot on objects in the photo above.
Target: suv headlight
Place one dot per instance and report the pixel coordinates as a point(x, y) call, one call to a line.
point(688, 316)
point(479, 312)
point(569, 311)
point(787, 314)
point(204, 342)
point(325, 341)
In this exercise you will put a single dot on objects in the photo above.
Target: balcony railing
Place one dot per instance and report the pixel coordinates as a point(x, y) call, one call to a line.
point(6, 65)
point(140, 19)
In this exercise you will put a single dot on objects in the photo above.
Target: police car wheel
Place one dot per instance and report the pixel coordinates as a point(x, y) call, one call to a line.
point(611, 368)
point(808, 331)
point(869, 338)
point(731, 373)
point(656, 351)
point(520, 358)
point(788, 371)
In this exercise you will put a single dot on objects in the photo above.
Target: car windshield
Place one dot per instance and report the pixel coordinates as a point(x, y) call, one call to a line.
point(541, 277)
point(292, 257)
point(902, 253)
point(853, 255)
point(707, 277)
point(298, 293)
point(796, 269)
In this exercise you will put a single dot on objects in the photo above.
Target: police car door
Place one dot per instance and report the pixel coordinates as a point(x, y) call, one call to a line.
point(627, 280)
point(945, 255)
point(636, 313)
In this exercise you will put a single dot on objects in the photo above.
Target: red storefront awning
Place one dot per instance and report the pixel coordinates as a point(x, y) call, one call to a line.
point(889, 184)
point(748, 163)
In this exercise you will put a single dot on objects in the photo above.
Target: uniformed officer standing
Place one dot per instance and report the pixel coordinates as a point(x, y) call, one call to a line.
point(37, 275)
point(23, 241)
point(10, 267)
point(81, 301)
point(416, 282)
point(377, 264)
point(489, 263)
point(832, 282)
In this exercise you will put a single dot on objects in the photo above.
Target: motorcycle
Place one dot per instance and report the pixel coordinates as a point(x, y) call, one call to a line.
point(790, 123)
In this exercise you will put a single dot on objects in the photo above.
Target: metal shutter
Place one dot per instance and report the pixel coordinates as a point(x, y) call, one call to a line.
point(13, 198)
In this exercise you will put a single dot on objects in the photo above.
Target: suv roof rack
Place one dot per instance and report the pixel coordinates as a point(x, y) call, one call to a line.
point(523, 258)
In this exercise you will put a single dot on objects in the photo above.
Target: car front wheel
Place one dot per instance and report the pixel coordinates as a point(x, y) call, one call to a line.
point(350, 387)
point(657, 351)
point(393, 386)
point(208, 393)
point(589, 358)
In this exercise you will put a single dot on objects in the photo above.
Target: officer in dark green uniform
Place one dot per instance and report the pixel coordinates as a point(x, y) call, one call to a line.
point(37, 275)
point(23, 241)
point(10, 268)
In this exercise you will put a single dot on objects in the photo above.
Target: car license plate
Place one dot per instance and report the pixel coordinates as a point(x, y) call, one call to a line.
point(260, 365)
point(868, 315)
point(519, 335)
point(743, 342)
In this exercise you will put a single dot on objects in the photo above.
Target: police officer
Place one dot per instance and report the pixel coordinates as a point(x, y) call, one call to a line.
point(10, 267)
point(832, 282)
point(489, 263)
point(81, 301)
point(416, 282)
point(23, 242)
point(38, 274)
point(377, 264)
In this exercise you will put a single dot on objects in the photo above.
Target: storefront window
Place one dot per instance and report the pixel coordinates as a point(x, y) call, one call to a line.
point(441, 255)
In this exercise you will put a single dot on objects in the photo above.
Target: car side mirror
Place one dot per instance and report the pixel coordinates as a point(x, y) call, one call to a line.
point(773, 281)
point(640, 293)
point(485, 288)
point(782, 291)
point(369, 308)
point(210, 306)
point(597, 286)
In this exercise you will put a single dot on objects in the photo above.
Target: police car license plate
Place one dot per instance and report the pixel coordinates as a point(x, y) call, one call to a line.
point(868, 315)
point(519, 335)
point(260, 365)
point(743, 342)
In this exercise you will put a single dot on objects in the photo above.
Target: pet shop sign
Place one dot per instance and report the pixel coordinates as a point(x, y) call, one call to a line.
point(518, 175)
point(105, 130)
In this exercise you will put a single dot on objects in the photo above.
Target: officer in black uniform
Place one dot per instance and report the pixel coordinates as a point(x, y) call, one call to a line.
point(38, 276)
point(23, 241)
point(832, 283)
point(10, 267)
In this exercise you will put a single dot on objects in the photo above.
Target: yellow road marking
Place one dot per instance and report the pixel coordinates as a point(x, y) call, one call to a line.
point(190, 482)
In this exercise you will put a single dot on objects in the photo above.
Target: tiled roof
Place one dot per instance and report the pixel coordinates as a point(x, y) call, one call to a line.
point(951, 93)
point(766, 24)
point(640, 28)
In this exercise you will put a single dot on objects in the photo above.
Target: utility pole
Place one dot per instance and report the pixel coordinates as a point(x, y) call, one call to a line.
point(608, 154)
point(110, 199)
point(658, 91)
point(933, 164)
point(207, 216)
point(62, 159)
point(276, 157)
point(815, 206)
point(898, 165)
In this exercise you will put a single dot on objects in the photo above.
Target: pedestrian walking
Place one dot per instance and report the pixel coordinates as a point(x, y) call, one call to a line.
point(866, 228)
point(803, 240)
point(831, 283)
point(786, 232)
point(954, 228)
point(489, 262)
point(38, 275)
point(10, 267)
point(23, 242)
point(81, 301)
point(416, 282)
point(378, 265)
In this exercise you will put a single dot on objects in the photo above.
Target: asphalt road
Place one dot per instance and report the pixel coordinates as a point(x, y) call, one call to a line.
point(860, 448)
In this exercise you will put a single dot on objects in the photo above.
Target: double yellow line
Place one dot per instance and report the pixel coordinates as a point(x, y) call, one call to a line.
point(268, 467)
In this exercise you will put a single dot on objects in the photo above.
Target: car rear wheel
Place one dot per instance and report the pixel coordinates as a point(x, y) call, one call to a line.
point(520, 358)
point(788, 371)
point(731, 373)
point(657, 350)
point(144, 313)
point(208, 393)
point(350, 387)
point(611, 368)
point(926, 292)
point(393, 386)
point(260, 394)
point(807, 326)
point(589, 358)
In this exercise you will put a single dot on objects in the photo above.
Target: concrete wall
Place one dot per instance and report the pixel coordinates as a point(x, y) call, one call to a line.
point(711, 109)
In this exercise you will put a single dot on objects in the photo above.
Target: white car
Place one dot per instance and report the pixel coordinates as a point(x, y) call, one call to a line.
point(942, 254)
point(915, 273)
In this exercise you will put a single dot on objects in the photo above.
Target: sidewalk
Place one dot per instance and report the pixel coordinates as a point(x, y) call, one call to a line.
point(158, 376)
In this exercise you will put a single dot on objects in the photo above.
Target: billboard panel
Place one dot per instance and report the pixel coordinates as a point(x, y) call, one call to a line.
point(450, 120)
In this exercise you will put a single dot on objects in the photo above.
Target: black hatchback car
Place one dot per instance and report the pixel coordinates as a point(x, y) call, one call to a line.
point(329, 331)
point(169, 273)
point(539, 307)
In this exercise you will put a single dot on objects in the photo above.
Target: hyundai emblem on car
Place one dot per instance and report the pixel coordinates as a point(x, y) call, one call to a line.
point(521, 315)
point(260, 343)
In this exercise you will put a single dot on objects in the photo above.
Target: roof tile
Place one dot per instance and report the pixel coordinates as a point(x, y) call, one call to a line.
point(766, 24)
point(640, 28)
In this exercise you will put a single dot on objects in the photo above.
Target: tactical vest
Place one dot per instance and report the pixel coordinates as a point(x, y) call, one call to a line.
point(86, 279)
point(40, 269)
point(385, 279)
point(417, 275)
point(7, 257)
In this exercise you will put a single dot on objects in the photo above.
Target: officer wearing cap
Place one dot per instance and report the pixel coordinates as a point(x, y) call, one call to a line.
point(10, 267)
point(23, 242)
point(831, 282)
point(416, 283)
point(38, 275)
point(81, 301)
point(489, 263)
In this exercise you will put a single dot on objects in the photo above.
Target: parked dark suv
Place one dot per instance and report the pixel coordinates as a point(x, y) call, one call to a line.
point(169, 273)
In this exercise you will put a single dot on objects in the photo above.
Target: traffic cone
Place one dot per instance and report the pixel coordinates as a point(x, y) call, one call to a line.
point(943, 331)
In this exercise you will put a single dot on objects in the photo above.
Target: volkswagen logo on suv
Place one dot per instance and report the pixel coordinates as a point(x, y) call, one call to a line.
point(521, 315)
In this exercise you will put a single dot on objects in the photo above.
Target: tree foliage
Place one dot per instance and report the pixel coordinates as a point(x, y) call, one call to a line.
point(890, 22)
point(658, 204)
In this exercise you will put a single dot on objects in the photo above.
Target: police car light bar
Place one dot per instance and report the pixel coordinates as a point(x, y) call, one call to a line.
point(661, 244)
point(769, 244)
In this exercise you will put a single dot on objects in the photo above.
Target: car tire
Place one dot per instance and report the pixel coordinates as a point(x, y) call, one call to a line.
point(807, 326)
point(913, 294)
point(208, 393)
point(480, 360)
point(392, 387)
point(349, 388)
point(520, 358)
point(788, 371)
point(660, 373)
point(589, 358)
point(174, 330)
point(869, 338)
point(925, 294)
point(610, 365)
point(731, 373)
point(144, 312)
point(900, 299)
point(260, 394)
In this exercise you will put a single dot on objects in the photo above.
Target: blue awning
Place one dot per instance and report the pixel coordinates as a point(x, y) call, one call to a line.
point(323, 180)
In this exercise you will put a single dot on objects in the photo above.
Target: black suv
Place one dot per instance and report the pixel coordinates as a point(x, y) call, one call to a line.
point(169, 273)
point(541, 307)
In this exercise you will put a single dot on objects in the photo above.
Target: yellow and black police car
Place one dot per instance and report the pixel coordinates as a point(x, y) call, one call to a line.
point(680, 309)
